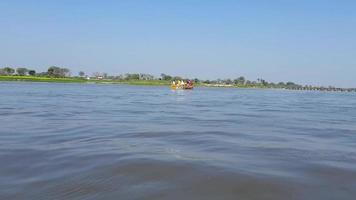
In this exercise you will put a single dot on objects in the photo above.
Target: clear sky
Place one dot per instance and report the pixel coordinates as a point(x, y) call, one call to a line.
point(305, 41)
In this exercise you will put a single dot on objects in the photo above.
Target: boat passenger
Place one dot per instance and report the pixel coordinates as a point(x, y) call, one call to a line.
point(189, 83)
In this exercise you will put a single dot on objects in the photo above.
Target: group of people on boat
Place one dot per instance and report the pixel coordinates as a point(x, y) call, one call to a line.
point(181, 84)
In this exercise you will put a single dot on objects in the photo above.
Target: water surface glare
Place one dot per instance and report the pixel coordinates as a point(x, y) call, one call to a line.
point(88, 141)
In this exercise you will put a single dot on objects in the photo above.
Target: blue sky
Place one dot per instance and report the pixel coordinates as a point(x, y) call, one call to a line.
point(305, 41)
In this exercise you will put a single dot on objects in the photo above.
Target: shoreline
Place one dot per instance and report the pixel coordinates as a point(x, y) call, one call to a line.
point(157, 83)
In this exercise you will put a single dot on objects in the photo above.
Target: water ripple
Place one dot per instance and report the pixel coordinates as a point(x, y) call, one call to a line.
point(87, 141)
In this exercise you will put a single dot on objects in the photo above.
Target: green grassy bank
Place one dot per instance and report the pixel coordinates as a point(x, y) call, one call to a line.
point(82, 80)
point(40, 79)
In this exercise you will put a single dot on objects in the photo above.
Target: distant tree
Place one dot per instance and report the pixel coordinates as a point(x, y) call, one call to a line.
point(236, 81)
point(272, 85)
point(9, 70)
point(58, 72)
point(105, 75)
point(215, 81)
point(196, 80)
point(31, 72)
point(54, 71)
point(177, 78)
point(166, 77)
point(21, 71)
point(65, 72)
point(132, 77)
point(146, 77)
point(281, 85)
point(292, 85)
point(228, 81)
point(81, 74)
point(241, 80)
point(265, 83)
point(51, 70)
point(2, 71)
point(119, 77)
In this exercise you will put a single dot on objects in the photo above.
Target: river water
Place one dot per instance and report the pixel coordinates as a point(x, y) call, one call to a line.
point(88, 141)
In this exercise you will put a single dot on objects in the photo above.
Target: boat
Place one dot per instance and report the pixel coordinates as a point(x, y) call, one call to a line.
point(185, 87)
point(188, 87)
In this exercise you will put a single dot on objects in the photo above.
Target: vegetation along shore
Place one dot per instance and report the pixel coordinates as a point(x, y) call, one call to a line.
point(63, 75)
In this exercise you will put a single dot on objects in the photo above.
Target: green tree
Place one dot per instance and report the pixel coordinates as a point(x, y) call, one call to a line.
point(65, 72)
point(290, 83)
point(9, 70)
point(105, 75)
point(146, 77)
point(228, 81)
point(177, 78)
point(166, 77)
point(263, 82)
point(53, 71)
point(31, 72)
point(21, 71)
point(132, 77)
point(81, 74)
point(58, 72)
point(281, 83)
point(241, 80)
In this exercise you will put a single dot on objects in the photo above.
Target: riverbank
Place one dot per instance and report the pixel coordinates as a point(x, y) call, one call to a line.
point(162, 83)
point(294, 87)
point(83, 80)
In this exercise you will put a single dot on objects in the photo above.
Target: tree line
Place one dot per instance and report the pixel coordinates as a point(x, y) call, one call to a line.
point(53, 71)
point(21, 71)
point(62, 72)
